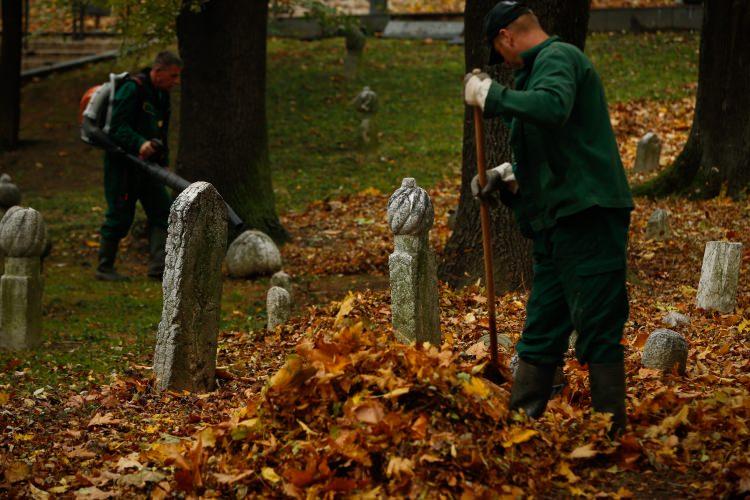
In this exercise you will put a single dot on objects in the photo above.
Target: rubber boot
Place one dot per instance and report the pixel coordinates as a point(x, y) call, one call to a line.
point(157, 241)
point(105, 271)
point(608, 393)
point(532, 388)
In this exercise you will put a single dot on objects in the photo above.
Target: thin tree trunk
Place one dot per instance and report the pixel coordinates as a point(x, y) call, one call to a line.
point(223, 136)
point(462, 263)
point(10, 73)
point(717, 152)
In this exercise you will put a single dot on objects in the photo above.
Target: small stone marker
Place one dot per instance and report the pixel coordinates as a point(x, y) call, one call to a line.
point(23, 236)
point(283, 280)
point(185, 357)
point(665, 349)
point(253, 253)
point(720, 274)
point(658, 227)
point(413, 273)
point(366, 103)
point(278, 306)
point(673, 319)
point(10, 195)
point(648, 153)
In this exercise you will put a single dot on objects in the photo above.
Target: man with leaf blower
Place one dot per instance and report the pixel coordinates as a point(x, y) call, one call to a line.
point(570, 195)
point(138, 123)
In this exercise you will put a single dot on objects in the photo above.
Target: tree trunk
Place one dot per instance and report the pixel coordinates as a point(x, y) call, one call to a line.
point(223, 136)
point(463, 262)
point(10, 73)
point(717, 152)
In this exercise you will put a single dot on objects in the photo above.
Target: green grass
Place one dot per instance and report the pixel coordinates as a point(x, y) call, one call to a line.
point(94, 328)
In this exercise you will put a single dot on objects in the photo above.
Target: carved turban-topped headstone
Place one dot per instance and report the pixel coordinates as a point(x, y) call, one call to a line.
point(648, 153)
point(720, 274)
point(185, 357)
point(278, 306)
point(10, 195)
point(23, 235)
point(366, 103)
point(253, 253)
point(658, 227)
point(665, 349)
point(414, 292)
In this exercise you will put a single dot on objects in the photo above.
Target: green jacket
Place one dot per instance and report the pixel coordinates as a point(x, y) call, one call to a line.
point(565, 154)
point(140, 112)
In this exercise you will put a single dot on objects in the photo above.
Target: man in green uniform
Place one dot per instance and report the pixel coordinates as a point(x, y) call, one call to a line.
point(570, 195)
point(140, 118)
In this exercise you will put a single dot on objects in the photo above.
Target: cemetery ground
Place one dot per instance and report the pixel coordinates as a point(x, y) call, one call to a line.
point(329, 403)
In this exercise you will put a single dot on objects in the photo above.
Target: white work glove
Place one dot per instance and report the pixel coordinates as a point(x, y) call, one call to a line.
point(476, 87)
point(495, 179)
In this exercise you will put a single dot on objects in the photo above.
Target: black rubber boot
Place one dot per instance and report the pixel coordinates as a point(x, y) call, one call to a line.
point(157, 241)
point(532, 388)
point(105, 271)
point(608, 393)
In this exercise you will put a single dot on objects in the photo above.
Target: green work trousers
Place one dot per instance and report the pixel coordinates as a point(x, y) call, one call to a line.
point(124, 185)
point(579, 284)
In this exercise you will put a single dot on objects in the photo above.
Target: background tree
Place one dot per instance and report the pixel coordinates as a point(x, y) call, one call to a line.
point(717, 152)
point(463, 262)
point(10, 73)
point(223, 135)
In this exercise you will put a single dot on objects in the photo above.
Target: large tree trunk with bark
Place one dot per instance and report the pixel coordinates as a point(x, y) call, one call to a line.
point(463, 262)
point(717, 152)
point(223, 135)
point(10, 73)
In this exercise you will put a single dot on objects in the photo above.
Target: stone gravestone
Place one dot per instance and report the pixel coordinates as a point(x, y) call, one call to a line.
point(665, 349)
point(355, 41)
point(185, 357)
point(253, 253)
point(10, 195)
point(720, 273)
point(278, 307)
point(413, 273)
point(658, 227)
point(648, 153)
point(23, 236)
point(283, 280)
point(366, 103)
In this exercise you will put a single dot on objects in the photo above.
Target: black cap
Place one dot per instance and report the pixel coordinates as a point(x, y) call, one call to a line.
point(499, 17)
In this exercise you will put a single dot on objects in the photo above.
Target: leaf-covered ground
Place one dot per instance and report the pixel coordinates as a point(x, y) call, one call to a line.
point(330, 403)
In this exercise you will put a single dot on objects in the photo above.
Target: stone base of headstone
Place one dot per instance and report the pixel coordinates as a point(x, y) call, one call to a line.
point(720, 273)
point(21, 303)
point(414, 290)
point(186, 343)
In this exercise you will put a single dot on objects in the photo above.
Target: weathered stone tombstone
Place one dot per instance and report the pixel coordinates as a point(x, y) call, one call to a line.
point(717, 289)
point(366, 103)
point(278, 307)
point(283, 280)
point(673, 319)
point(658, 226)
point(648, 153)
point(665, 349)
point(253, 253)
point(355, 40)
point(23, 235)
point(10, 195)
point(185, 357)
point(413, 273)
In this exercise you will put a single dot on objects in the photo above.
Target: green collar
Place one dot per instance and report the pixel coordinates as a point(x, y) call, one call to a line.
point(529, 55)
